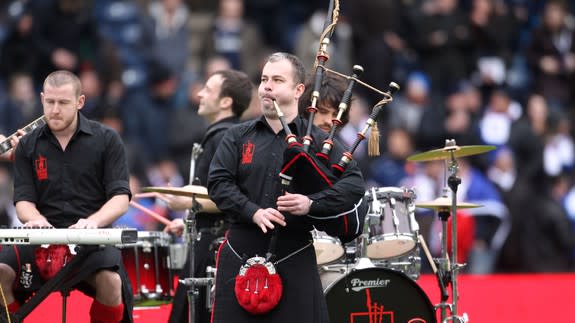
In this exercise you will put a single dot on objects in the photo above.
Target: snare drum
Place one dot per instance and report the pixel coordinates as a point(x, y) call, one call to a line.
point(147, 264)
point(392, 223)
point(328, 249)
point(374, 294)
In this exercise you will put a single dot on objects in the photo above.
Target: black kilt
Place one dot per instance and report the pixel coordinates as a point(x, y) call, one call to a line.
point(302, 300)
point(107, 257)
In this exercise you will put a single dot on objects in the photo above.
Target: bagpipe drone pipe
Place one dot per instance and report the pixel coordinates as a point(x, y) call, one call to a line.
point(307, 172)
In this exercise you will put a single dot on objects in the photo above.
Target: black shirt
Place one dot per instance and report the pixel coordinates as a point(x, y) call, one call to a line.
point(75, 183)
point(210, 143)
point(244, 174)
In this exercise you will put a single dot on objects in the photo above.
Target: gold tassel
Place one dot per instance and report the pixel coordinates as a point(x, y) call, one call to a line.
point(373, 141)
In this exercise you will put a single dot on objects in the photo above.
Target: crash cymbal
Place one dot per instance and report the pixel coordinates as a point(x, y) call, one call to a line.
point(188, 190)
point(208, 206)
point(447, 151)
point(443, 203)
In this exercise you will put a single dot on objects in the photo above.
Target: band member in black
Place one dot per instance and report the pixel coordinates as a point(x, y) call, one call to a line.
point(244, 183)
point(70, 173)
point(224, 97)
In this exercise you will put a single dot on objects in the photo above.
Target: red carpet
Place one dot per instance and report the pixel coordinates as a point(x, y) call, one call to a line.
point(486, 299)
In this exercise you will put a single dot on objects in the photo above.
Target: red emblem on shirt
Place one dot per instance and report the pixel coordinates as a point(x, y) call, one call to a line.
point(248, 152)
point(41, 168)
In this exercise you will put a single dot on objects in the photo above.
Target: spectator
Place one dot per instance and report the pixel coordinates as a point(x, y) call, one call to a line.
point(551, 56)
point(234, 38)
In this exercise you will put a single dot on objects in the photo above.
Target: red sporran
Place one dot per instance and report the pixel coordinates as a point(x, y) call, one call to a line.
point(51, 259)
point(258, 286)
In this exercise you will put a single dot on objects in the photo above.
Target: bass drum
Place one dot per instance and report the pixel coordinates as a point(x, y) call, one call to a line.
point(375, 295)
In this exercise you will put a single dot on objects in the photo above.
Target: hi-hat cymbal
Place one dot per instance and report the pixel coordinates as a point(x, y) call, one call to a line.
point(445, 203)
point(448, 151)
point(188, 190)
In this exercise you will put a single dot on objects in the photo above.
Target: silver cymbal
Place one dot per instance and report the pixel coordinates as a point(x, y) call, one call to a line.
point(188, 190)
point(445, 203)
point(448, 151)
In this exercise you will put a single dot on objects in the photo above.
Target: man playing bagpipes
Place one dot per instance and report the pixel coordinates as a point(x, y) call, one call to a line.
point(272, 219)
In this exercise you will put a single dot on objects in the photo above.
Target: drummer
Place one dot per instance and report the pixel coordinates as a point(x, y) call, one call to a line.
point(330, 95)
point(224, 97)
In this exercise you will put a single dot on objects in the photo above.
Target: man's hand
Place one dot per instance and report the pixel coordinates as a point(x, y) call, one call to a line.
point(14, 140)
point(295, 204)
point(176, 227)
point(84, 224)
point(38, 223)
point(263, 218)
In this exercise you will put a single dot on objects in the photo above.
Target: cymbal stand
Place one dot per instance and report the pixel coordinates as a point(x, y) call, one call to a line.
point(192, 237)
point(453, 182)
point(444, 265)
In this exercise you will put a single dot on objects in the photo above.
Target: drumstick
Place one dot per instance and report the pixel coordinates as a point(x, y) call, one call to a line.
point(427, 254)
point(150, 213)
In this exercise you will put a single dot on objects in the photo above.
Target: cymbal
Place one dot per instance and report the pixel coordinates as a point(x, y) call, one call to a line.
point(447, 151)
point(208, 206)
point(443, 203)
point(188, 190)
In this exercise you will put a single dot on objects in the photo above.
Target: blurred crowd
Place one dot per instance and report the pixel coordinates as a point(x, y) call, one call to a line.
point(482, 72)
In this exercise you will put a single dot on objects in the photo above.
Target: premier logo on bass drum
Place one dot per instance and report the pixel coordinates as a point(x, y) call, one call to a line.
point(360, 284)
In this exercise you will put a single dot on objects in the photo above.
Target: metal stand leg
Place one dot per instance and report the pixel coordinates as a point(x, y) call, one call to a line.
point(65, 293)
point(194, 283)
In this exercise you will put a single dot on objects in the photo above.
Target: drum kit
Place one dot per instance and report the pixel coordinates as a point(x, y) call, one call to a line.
point(374, 276)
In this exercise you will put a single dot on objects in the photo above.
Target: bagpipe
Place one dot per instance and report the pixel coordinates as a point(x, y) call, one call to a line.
point(306, 172)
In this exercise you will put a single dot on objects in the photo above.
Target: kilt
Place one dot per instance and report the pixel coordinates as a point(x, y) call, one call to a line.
point(28, 282)
point(302, 300)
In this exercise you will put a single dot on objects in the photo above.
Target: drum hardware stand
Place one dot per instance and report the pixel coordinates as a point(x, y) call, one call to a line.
point(453, 182)
point(361, 252)
point(192, 237)
point(448, 270)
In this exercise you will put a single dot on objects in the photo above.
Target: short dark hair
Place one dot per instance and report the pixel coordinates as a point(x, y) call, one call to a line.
point(330, 95)
point(236, 85)
point(298, 67)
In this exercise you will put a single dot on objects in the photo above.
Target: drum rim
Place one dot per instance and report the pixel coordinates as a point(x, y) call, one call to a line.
point(403, 194)
point(385, 237)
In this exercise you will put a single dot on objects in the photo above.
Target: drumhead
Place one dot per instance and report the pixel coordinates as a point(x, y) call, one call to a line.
point(379, 295)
